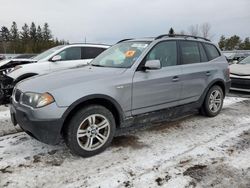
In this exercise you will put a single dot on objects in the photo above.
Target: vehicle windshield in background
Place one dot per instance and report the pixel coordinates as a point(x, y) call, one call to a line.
point(121, 55)
point(47, 53)
point(245, 61)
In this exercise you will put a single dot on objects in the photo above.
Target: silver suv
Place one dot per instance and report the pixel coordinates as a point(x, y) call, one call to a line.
point(134, 82)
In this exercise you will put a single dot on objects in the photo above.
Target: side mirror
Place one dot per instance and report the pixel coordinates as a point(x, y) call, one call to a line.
point(56, 58)
point(153, 64)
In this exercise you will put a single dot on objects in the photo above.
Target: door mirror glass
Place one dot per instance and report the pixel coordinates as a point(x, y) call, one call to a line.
point(56, 58)
point(153, 64)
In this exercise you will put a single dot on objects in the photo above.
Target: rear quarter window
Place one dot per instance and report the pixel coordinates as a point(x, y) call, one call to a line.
point(212, 51)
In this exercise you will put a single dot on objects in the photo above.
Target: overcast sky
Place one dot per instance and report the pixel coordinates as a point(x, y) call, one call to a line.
point(107, 21)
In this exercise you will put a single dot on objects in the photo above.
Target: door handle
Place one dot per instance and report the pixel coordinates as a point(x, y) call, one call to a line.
point(175, 79)
point(208, 73)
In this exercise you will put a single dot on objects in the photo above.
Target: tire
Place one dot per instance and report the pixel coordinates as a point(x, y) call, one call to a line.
point(90, 131)
point(213, 102)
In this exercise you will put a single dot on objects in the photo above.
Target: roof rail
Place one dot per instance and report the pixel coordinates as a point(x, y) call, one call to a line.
point(81, 43)
point(180, 35)
point(123, 40)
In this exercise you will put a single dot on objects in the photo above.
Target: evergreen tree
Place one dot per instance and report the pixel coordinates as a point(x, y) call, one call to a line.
point(246, 44)
point(25, 32)
point(39, 33)
point(15, 46)
point(5, 34)
point(233, 43)
point(32, 32)
point(171, 31)
point(222, 42)
point(47, 36)
point(14, 34)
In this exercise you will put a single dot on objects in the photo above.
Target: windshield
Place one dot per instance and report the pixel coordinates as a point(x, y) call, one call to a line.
point(47, 53)
point(121, 55)
point(245, 61)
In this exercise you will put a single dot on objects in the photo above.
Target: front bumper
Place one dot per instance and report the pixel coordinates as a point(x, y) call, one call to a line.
point(45, 130)
point(240, 84)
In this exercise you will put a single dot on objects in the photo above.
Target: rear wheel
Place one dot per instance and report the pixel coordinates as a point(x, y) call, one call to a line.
point(213, 102)
point(90, 131)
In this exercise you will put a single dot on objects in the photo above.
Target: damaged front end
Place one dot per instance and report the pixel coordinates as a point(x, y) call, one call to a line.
point(6, 88)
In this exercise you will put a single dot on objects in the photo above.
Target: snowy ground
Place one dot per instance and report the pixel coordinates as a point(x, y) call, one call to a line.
point(193, 152)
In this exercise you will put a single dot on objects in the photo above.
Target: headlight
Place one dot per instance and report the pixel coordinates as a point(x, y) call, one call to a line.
point(13, 69)
point(37, 100)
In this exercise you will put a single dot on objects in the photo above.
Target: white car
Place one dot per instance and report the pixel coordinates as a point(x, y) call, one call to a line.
point(240, 75)
point(54, 59)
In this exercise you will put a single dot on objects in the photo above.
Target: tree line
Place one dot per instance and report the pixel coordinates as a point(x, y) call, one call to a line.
point(234, 43)
point(204, 30)
point(30, 39)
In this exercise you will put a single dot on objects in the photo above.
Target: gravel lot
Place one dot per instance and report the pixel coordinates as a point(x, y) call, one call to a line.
point(195, 151)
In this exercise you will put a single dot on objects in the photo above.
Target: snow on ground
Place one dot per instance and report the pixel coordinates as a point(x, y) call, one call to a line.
point(6, 126)
point(192, 152)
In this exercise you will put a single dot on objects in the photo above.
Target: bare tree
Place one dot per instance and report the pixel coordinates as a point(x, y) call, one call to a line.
point(194, 30)
point(205, 30)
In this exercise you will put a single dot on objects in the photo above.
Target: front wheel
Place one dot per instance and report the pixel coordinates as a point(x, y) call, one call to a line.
point(90, 131)
point(213, 102)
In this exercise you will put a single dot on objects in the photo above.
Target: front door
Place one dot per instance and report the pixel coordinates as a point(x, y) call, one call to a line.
point(157, 89)
point(70, 57)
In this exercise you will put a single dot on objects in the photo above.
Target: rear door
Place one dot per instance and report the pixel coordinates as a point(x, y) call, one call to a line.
point(196, 70)
point(157, 89)
point(89, 53)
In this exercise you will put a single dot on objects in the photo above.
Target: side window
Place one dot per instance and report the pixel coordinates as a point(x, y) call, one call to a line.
point(166, 52)
point(91, 52)
point(212, 51)
point(189, 52)
point(203, 53)
point(73, 53)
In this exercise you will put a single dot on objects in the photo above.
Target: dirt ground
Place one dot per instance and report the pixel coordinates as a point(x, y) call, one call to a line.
point(195, 151)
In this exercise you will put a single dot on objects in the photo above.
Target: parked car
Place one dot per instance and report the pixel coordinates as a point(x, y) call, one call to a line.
point(240, 75)
point(233, 57)
point(25, 56)
point(54, 59)
point(133, 82)
point(2, 57)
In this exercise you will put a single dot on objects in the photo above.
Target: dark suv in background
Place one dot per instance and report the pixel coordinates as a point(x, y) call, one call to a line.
point(134, 82)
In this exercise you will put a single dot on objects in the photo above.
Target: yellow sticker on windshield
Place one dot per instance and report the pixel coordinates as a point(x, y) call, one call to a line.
point(130, 53)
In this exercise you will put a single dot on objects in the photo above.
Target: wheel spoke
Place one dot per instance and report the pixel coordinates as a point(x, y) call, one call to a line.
point(217, 101)
point(89, 142)
point(210, 106)
point(81, 133)
point(100, 137)
point(216, 93)
point(91, 119)
point(215, 107)
point(103, 124)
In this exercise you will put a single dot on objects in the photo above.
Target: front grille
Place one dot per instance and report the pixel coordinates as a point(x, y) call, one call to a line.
point(17, 95)
point(240, 83)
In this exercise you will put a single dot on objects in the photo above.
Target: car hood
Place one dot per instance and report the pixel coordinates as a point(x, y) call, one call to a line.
point(6, 61)
point(75, 76)
point(240, 69)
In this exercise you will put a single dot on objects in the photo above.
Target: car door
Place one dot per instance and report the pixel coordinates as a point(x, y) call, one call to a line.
point(89, 53)
point(195, 70)
point(70, 57)
point(157, 89)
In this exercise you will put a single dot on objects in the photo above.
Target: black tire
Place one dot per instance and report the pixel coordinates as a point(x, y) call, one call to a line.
point(71, 130)
point(205, 109)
